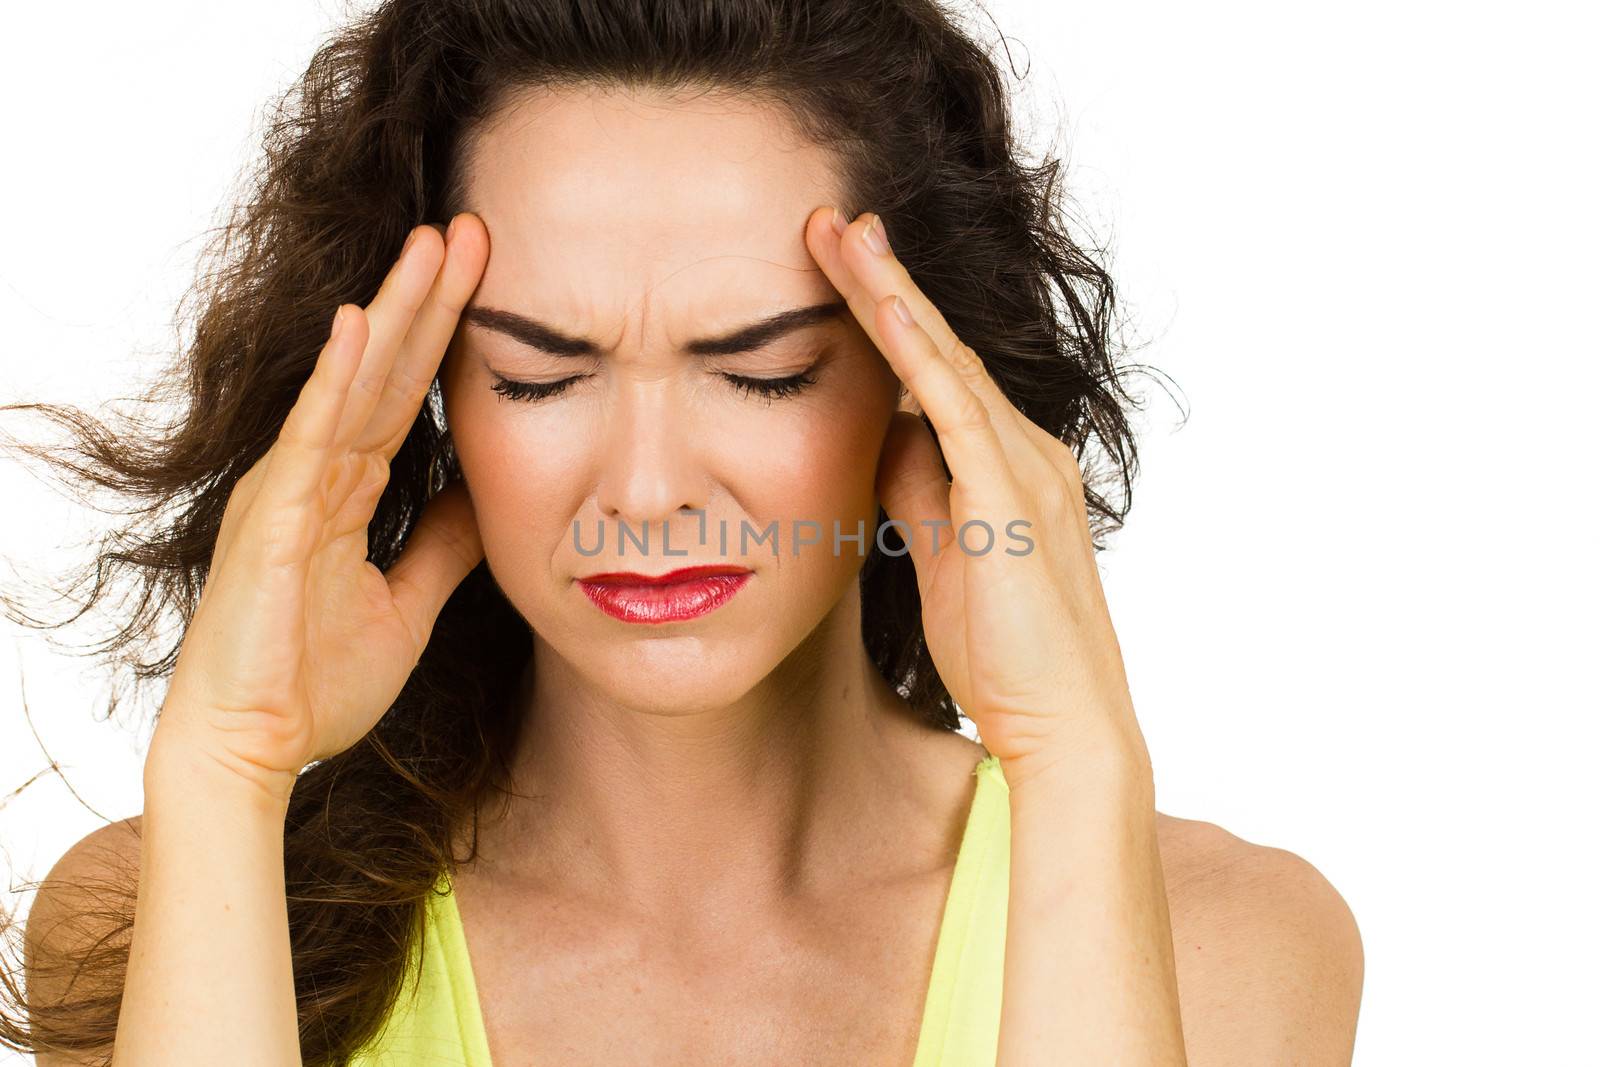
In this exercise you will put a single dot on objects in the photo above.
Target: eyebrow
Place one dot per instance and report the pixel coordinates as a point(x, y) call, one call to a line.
point(548, 339)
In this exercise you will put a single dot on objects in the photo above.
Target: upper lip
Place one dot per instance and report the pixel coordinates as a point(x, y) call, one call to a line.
point(683, 574)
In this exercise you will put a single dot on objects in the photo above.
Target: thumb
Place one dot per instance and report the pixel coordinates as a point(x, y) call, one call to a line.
point(443, 549)
point(913, 488)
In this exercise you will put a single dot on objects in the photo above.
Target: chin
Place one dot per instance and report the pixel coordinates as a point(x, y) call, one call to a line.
point(671, 678)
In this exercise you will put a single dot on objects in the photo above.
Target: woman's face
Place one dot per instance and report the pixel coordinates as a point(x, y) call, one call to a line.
point(635, 228)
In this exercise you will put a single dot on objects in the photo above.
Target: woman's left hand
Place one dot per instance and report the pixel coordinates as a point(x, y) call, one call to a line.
point(1023, 642)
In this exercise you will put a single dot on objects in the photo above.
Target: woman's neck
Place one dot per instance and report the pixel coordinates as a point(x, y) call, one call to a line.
point(708, 811)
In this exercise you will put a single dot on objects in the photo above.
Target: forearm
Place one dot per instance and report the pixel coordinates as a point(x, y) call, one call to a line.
point(209, 976)
point(1089, 972)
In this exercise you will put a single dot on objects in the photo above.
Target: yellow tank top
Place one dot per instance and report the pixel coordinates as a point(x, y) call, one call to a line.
point(437, 1023)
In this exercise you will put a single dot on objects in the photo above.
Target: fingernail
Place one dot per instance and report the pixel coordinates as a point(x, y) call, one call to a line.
point(902, 312)
point(338, 322)
point(839, 222)
point(450, 230)
point(876, 238)
point(411, 239)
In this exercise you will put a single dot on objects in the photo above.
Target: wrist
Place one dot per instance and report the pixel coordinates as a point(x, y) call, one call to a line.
point(180, 764)
point(1104, 763)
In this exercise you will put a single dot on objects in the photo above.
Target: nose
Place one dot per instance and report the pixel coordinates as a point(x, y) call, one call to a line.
point(649, 471)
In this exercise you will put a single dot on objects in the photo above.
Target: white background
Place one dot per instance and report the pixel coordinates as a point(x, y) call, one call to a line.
point(1355, 594)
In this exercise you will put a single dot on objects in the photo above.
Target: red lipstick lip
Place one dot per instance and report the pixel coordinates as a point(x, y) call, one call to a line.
point(673, 597)
point(684, 574)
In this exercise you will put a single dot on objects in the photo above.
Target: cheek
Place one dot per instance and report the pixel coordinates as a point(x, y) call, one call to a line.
point(820, 466)
point(822, 470)
point(521, 487)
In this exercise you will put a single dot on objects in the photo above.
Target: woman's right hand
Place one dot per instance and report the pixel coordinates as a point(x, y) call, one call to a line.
point(299, 644)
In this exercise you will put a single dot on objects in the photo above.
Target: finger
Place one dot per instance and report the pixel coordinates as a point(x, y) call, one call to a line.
point(1033, 454)
point(390, 314)
point(422, 350)
point(442, 550)
point(353, 497)
point(864, 278)
point(913, 488)
point(1063, 460)
point(306, 443)
point(981, 471)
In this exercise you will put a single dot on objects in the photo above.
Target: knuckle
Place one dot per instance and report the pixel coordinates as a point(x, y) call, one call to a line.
point(452, 299)
point(372, 384)
point(901, 483)
point(407, 385)
point(971, 414)
point(964, 359)
point(1071, 470)
point(293, 438)
point(338, 479)
point(283, 534)
point(245, 488)
point(1055, 498)
point(461, 549)
point(449, 540)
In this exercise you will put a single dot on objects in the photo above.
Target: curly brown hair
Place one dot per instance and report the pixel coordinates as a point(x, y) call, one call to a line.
point(364, 147)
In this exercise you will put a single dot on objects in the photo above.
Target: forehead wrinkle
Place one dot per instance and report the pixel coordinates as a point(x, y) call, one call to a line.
point(643, 301)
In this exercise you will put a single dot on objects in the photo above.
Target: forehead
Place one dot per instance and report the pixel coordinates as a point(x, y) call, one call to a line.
point(598, 200)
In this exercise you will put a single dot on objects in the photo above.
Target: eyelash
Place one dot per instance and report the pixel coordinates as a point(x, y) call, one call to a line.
point(767, 388)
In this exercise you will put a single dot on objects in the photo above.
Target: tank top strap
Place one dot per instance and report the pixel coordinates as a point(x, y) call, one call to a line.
point(436, 1021)
point(961, 1017)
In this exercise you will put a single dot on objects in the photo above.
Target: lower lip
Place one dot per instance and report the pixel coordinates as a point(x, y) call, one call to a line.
point(672, 602)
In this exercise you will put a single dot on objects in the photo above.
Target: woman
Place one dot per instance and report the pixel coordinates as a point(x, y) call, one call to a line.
point(449, 770)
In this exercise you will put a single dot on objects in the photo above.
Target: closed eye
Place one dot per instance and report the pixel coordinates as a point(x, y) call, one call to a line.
point(513, 390)
point(767, 388)
point(773, 388)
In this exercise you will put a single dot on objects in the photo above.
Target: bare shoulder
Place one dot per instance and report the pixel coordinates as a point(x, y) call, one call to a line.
point(81, 916)
point(82, 882)
point(1269, 957)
